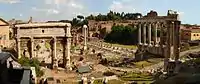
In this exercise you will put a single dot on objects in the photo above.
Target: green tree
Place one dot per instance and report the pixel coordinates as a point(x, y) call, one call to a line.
point(80, 17)
point(122, 34)
point(24, 61)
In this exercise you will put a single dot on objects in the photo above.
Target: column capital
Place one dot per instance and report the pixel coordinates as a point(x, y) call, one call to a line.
point(85, 26)
point(144, 23)
point(157, 22)
point(68, 25)
point(31, 38)
point(54, 38)
point(18, 39)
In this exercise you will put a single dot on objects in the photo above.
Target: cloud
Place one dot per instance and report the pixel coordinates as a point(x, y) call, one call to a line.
point(20, 15)
point(122, 6)
point(10, 1)
point(59, 9)
point(47, 11)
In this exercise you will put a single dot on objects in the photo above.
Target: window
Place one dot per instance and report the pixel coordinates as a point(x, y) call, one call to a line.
point(194, 34)
point(197, 34)
point(42, 31)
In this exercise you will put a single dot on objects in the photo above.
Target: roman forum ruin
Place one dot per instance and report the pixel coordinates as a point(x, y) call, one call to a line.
point(48, 42)
point(169, 44)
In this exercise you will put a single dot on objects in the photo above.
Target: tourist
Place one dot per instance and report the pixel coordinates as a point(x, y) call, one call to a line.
point(105, 80)
point(45, 81)
point(93, 51)
point(73, 66)
point(41, 81)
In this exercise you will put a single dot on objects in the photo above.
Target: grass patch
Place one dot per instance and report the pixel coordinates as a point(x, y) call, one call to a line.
point(194, 47)
point(115, 82)
point(142, 63)
point(98, 81)
point(136, 77)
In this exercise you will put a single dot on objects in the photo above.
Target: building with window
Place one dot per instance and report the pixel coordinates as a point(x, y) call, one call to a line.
point(190, 34)
point(4, 33)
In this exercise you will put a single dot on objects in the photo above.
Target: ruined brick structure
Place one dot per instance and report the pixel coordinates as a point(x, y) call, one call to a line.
point(33, 38)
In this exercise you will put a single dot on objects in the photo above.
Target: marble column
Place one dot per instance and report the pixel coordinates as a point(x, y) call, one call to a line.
point(177, 45)
point(169, 40)
point(162, 45)
point(77, 39)
point(156, 34)
point(68, 53)
point(144, 34)
point(68, 47)
point(173, 40)
point(32, 47)
point(85, 37)
point(177, 40)
point(18, 48)
point(139, 34)
point(149, 34)
point(18, 43)
point(55, 61)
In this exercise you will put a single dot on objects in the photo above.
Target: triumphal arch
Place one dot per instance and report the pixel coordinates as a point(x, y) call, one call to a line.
point(166, 43)
point(48, 42)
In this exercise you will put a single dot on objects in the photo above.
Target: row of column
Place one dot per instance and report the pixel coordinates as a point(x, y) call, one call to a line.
point(144, 26)
point(172, 39)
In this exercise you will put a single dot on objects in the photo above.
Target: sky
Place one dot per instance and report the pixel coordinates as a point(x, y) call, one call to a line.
point(43, 10)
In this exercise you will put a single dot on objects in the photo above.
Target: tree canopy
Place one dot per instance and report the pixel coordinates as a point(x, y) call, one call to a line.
point(114, 16)
point(79, 21)
point(122, 35)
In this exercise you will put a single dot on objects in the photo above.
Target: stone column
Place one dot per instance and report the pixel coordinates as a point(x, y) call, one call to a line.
point(18, 43)
point(177, 40)
point(168, 53)
point(68, 46)
point(144, 33)
point(139, 33)
point(32, 47)
point(85, 37)
point(177, 45)
point(173, 40)
point(68, 53)
point(162, 45)
point(55, 61)
point(149, 34)
point(77, 39)
point(18, 48)
point(155, 33)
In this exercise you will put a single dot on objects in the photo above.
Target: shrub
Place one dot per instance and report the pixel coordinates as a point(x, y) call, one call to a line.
point(185, 46)
point(24, 61)
point(108, 73)
point(47, 45)
point(99, 81)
